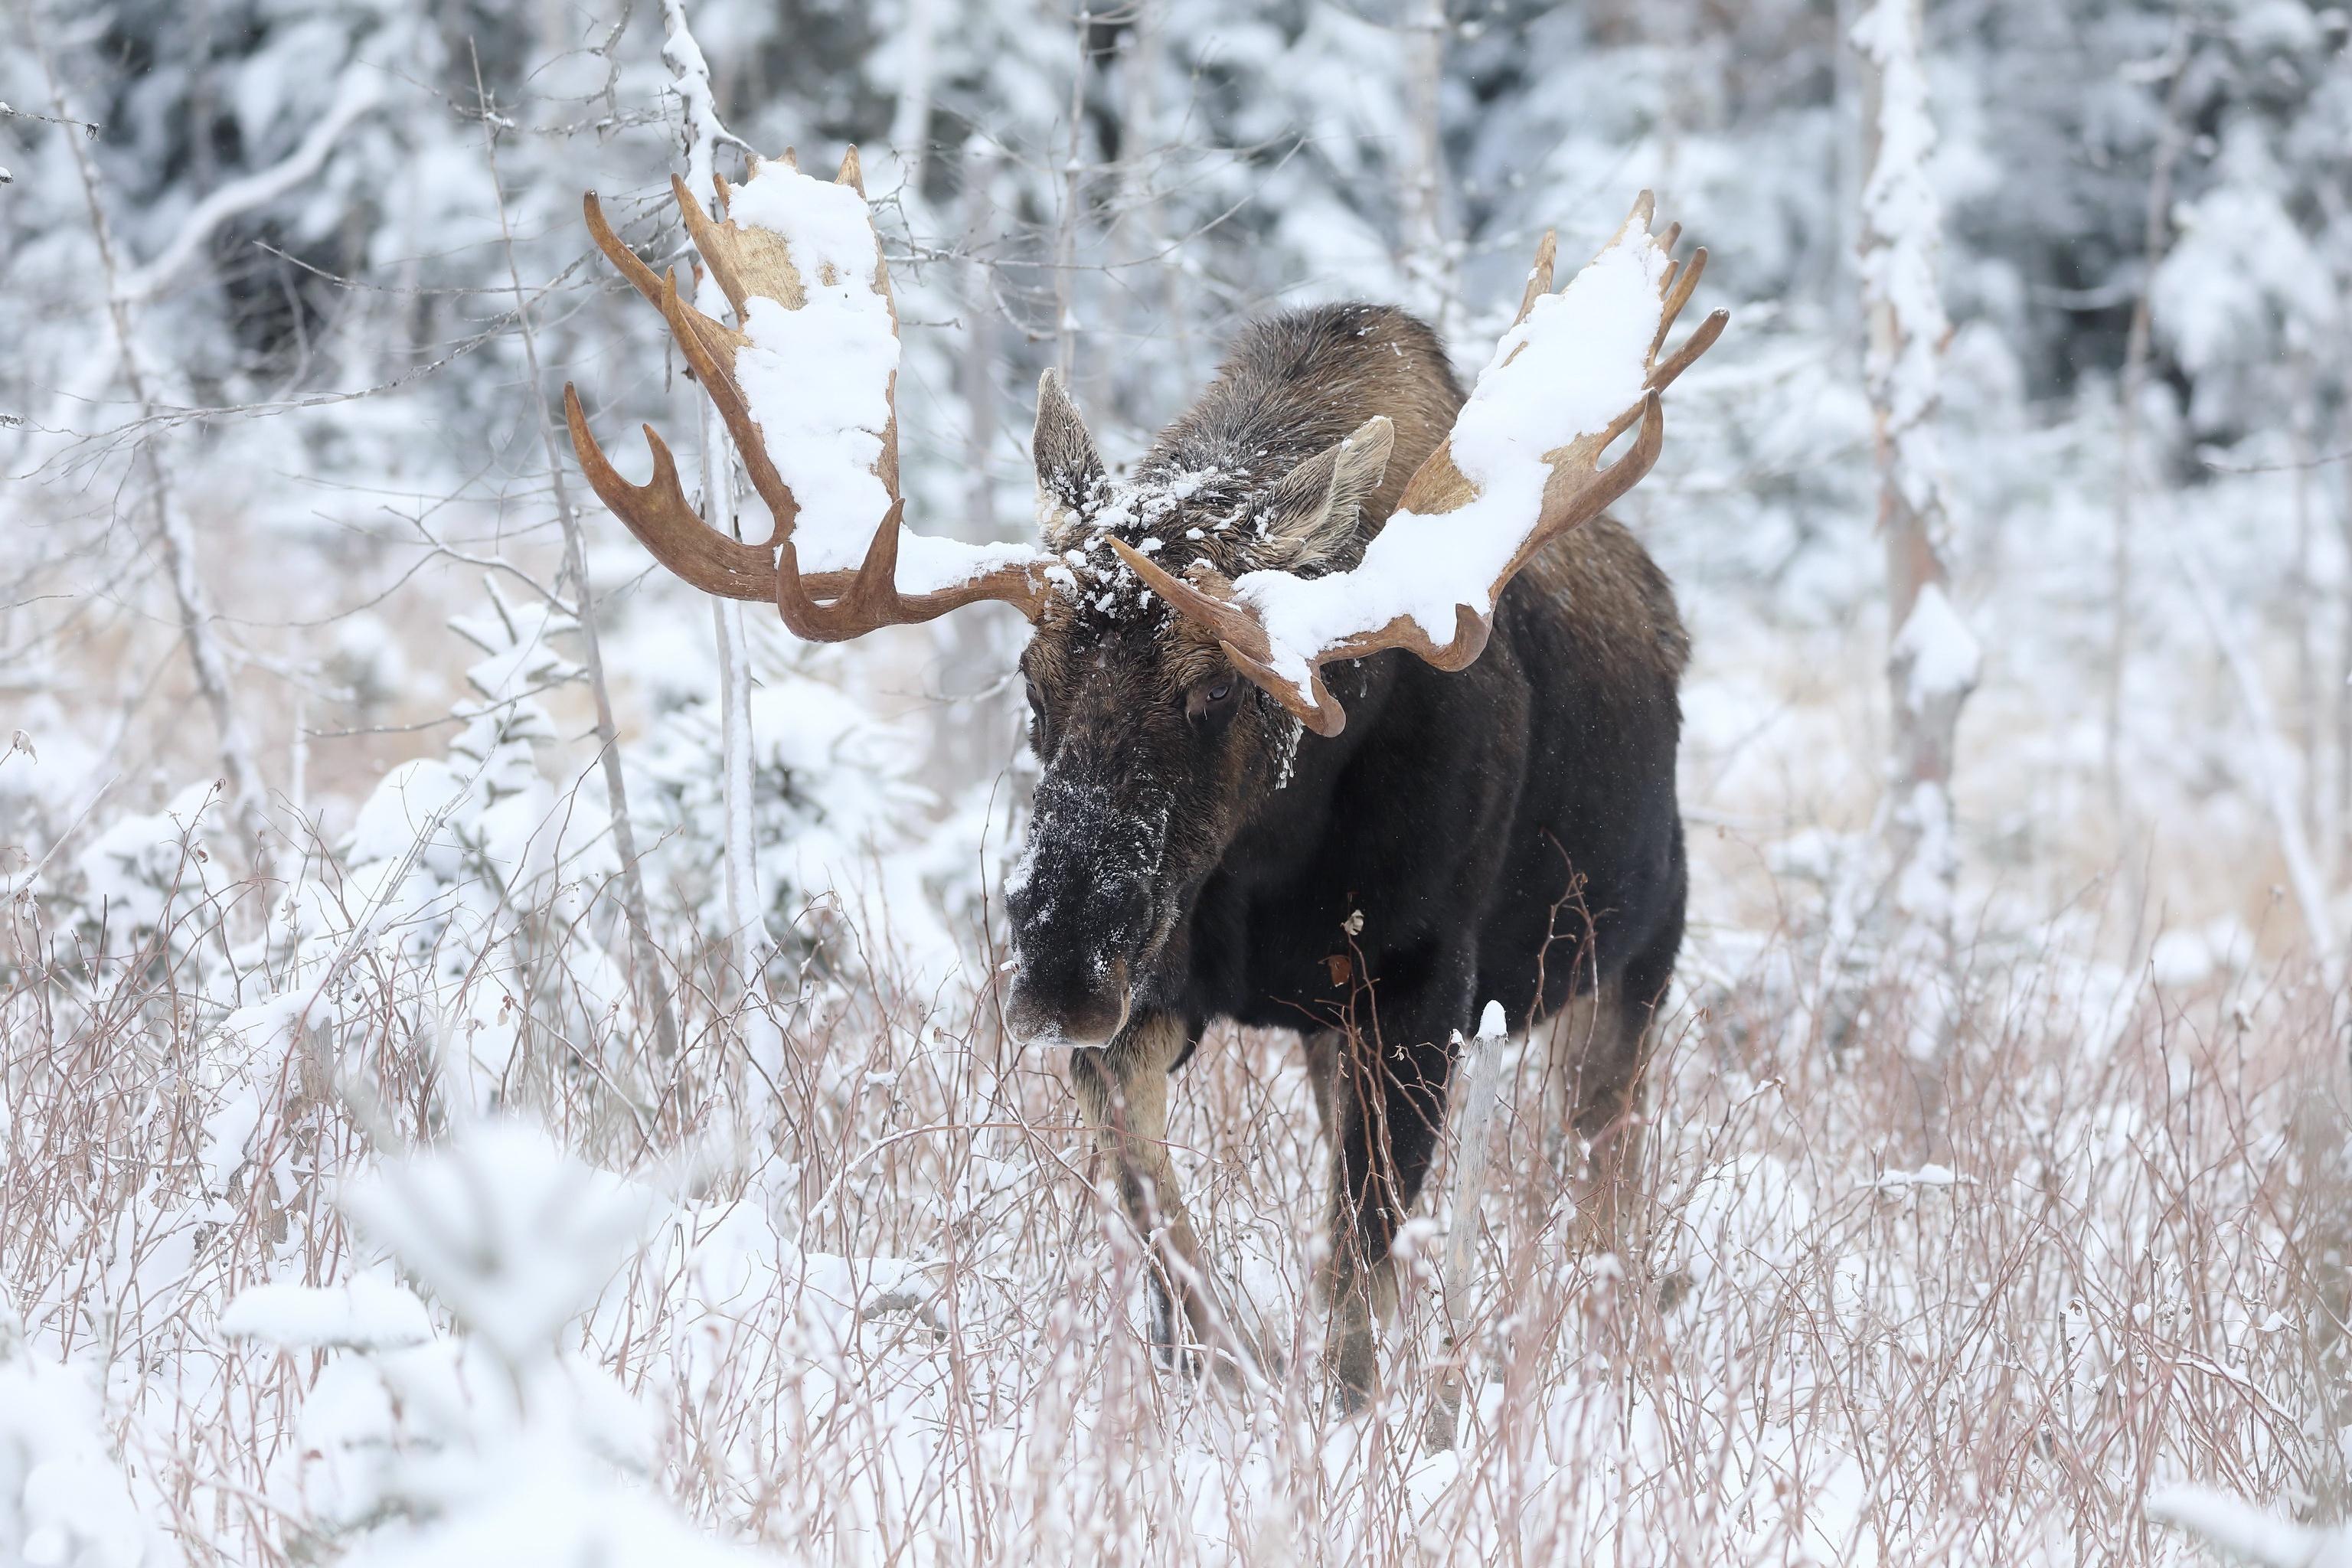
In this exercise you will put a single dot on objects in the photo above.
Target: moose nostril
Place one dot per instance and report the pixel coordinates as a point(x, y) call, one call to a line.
point(1121, 904)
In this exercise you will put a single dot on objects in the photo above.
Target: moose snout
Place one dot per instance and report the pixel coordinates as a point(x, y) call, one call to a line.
point(1073, 981)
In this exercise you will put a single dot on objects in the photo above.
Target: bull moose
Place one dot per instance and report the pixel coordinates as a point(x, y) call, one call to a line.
point(1328, 821)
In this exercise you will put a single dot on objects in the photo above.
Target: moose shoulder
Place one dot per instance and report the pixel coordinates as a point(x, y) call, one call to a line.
point(1214, 836)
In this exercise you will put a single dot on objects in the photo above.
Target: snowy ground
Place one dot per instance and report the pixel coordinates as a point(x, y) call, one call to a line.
point(879, 1314)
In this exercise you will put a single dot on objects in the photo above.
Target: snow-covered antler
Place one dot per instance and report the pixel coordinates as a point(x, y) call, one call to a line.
point(1521, 467)
point(806, 381)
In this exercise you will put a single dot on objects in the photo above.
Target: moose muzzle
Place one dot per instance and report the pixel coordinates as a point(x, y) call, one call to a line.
point(1081, 915)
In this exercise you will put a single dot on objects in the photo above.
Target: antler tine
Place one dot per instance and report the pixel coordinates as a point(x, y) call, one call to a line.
point(657, 513)
point(1681, 283)
point(617, 252)
point(1698, 342)
point(1576, 488)
point(1540, 275)
point(687, 326)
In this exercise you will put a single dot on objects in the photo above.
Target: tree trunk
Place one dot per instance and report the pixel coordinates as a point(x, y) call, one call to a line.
point(1428, 262)
point(2159, 217)
point(172, 531)
point(1932, 659)
point(746, 930)
point(634, 911)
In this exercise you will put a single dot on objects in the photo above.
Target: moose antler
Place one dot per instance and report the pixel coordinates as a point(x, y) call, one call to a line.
point(1520, 468)
point(807, 384)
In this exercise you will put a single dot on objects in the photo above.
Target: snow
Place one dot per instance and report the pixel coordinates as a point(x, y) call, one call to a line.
point(1569, 370)
point(514, 1234)
point(65, 1501)
point(1936, 646)
point(365, 1313)
point(818, 382)
point(2246, 1532)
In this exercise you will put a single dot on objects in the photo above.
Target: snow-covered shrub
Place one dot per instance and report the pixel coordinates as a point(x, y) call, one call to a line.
point(64, 1500)
point(144, 868)
point(494, 1444)
point(477, 877)
point(835, 804)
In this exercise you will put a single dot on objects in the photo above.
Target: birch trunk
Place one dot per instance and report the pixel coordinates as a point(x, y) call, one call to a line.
point(171, 525)
point(1932, 659)
point(746, 930)
point(910, 120)
point(1428, 262)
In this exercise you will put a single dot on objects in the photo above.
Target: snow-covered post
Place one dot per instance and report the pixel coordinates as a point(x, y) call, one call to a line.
point(746, 933)
point(1932, 658)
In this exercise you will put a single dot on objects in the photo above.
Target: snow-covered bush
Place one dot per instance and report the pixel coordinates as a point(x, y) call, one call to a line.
point(64, 1501)
point(496, 1444)
point(836, 801)
point(470, 896)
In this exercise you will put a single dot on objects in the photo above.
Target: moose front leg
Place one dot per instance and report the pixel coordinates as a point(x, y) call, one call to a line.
point(1123, 1089)
point(1389, 1104)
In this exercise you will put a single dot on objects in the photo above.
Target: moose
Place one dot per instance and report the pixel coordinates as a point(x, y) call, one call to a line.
point(1278, 786)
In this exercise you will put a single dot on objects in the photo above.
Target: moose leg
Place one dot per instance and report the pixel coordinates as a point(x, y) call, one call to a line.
point(1598, 1049)
point(1601, 1050)
point(1322, 1049)
point(1123, 1089)
point(1387, 1102)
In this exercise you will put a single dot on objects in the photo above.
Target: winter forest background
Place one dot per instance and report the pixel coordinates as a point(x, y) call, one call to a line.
point(374, 1187)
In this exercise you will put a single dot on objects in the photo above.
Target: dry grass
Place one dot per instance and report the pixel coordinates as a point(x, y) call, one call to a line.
point(2124, 1266)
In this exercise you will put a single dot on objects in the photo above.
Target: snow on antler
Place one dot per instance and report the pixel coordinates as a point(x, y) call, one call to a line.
point(806, 381)
point(1570, 369)
point(1521, 467)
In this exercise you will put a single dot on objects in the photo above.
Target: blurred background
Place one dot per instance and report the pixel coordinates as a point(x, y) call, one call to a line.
point(265, 268)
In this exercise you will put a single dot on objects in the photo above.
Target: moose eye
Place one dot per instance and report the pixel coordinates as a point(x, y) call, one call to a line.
point(1212, 702)
point(1041, 723)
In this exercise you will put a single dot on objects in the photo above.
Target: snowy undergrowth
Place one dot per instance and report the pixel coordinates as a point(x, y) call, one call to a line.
point(900, 1325)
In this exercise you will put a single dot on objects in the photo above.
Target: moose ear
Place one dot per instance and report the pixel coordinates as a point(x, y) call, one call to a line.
point(1314, 508)
point(1069, 471)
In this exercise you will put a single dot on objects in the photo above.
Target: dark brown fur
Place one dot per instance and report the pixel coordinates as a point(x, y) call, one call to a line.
point(1507, 833)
